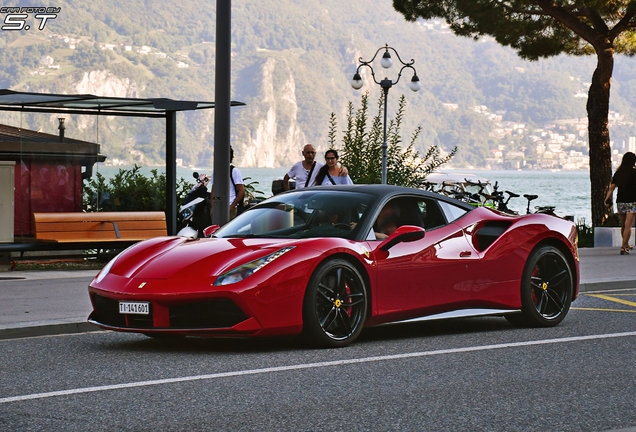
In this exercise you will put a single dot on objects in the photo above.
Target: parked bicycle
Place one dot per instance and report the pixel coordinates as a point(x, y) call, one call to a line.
point(479, 192)
point(539, 209)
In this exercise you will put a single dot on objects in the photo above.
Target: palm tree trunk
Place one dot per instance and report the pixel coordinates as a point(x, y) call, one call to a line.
point(599, 139)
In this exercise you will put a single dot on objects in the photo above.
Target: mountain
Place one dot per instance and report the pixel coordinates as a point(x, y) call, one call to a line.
point(291, 63)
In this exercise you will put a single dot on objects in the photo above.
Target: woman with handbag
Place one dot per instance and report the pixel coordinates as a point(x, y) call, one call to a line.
point(625, 180)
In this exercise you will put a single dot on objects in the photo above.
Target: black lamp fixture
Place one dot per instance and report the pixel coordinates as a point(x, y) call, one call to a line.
point(386, 84)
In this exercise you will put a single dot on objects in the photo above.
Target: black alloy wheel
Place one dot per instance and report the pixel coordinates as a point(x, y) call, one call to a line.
point(335, 305)
point(547, 285)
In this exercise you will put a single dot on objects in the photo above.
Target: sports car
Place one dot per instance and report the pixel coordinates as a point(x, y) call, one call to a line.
point(327, 261)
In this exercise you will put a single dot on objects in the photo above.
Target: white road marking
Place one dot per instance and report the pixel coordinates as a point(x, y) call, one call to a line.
point(310, 366)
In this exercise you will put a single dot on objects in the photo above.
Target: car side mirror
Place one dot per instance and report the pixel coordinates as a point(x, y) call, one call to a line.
point(207, 232)
point(404, 234)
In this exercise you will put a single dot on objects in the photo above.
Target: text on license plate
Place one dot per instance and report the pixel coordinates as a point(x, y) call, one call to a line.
point(139, 308)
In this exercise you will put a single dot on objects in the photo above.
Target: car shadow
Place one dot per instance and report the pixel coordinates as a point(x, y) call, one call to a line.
point(435, 328)
point(282, 344)
point(193, 344)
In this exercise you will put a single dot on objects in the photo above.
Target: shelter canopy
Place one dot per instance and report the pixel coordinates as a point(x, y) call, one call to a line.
point(86, 104)
point(96, 105)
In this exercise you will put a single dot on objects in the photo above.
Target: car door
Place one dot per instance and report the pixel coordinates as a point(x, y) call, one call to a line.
point(427, 275)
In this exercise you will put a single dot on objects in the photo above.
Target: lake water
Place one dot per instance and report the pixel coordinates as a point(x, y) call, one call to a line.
point(568, 191)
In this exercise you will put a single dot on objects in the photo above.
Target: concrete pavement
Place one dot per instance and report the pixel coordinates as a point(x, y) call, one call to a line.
point(39, 303)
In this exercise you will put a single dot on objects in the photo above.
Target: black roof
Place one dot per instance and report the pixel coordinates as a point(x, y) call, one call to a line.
point(387, 191)
point(24, 144)
point(12, 134)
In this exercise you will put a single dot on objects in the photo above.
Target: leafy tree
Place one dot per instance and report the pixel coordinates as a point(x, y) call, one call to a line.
point(543, 28)
point(362, 148)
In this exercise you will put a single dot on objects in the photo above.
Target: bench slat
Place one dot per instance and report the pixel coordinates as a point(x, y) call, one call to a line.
point(103, 216)
point(99, 226)
point(67, 237)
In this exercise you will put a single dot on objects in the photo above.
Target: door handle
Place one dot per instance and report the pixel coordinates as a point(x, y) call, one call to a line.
point(465, 254)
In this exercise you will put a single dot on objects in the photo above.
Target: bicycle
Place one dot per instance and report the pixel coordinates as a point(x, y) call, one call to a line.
point(539, 209)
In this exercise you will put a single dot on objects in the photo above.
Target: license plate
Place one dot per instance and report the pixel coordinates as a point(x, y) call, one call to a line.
point(138, 308)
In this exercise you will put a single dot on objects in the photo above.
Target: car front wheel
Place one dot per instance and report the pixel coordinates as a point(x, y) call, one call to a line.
point(335, 305)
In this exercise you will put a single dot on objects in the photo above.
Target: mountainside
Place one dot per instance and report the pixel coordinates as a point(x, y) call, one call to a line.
point(291, 63)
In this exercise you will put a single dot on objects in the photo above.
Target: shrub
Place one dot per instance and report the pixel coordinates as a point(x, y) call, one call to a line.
point(251, 193)
point(362, 148)
point(129, 190)
point(585, 233)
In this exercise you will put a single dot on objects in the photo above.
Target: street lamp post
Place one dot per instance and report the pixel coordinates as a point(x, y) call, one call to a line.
point(386, 84)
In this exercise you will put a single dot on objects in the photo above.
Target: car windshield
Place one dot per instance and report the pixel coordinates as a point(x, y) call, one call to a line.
point(303, 214)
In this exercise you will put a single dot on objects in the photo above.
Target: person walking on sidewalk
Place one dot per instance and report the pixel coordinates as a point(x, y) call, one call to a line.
point(625, 180)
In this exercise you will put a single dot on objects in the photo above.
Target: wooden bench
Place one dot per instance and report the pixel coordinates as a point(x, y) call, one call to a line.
point(99, 227)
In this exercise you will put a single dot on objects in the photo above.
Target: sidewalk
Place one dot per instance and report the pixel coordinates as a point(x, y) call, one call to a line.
point(39, 303)
point(603, 269)
point(42, 303)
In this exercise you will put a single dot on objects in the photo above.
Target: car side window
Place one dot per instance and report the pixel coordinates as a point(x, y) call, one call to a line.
point(396, 213)
point(388, 220)
point(451, 211)
point(431, 214)
point(422, 212)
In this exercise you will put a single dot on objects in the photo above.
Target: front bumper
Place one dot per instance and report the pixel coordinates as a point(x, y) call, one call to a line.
point(203, 316)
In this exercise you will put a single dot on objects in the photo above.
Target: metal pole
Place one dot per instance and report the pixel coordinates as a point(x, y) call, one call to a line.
point(384, 144)
point(223, 82)
point(171, 172)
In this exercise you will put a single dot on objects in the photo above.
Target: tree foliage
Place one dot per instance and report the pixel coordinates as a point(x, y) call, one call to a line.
point(534, 29)
point(362, 141)
point(539, 28)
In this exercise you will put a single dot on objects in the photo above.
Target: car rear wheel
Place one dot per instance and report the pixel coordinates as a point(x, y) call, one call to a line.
point(546, 289)
point(335, 305)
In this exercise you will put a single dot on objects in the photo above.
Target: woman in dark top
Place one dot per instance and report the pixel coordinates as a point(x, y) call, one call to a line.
point(625, 179)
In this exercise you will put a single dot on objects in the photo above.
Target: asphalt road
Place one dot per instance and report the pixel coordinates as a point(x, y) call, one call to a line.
point(478, 374)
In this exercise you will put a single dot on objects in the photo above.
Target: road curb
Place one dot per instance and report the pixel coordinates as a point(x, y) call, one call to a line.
point(46, 329)
point(48, 274)
point(592, 286)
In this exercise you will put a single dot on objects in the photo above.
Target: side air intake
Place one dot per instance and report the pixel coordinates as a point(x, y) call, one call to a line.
point(489, 232)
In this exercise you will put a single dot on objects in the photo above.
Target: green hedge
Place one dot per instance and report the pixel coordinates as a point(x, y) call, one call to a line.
point(129, 190)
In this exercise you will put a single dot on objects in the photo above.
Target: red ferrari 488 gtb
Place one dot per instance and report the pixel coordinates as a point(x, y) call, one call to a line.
point(330, 260)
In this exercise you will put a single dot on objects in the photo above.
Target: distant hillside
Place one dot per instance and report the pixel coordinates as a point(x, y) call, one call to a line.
point(291, 62)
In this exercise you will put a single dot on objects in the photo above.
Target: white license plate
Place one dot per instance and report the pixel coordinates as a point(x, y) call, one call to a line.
point(138, 308)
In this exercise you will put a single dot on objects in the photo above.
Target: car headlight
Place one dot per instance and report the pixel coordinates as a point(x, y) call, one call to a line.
point(102, 274)
point(239, 273)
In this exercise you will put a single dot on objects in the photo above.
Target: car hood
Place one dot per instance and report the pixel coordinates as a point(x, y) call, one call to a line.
point(182, 258)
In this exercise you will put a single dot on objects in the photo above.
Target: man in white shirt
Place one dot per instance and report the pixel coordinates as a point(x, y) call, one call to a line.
point(236, 185)
point(305, 171)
